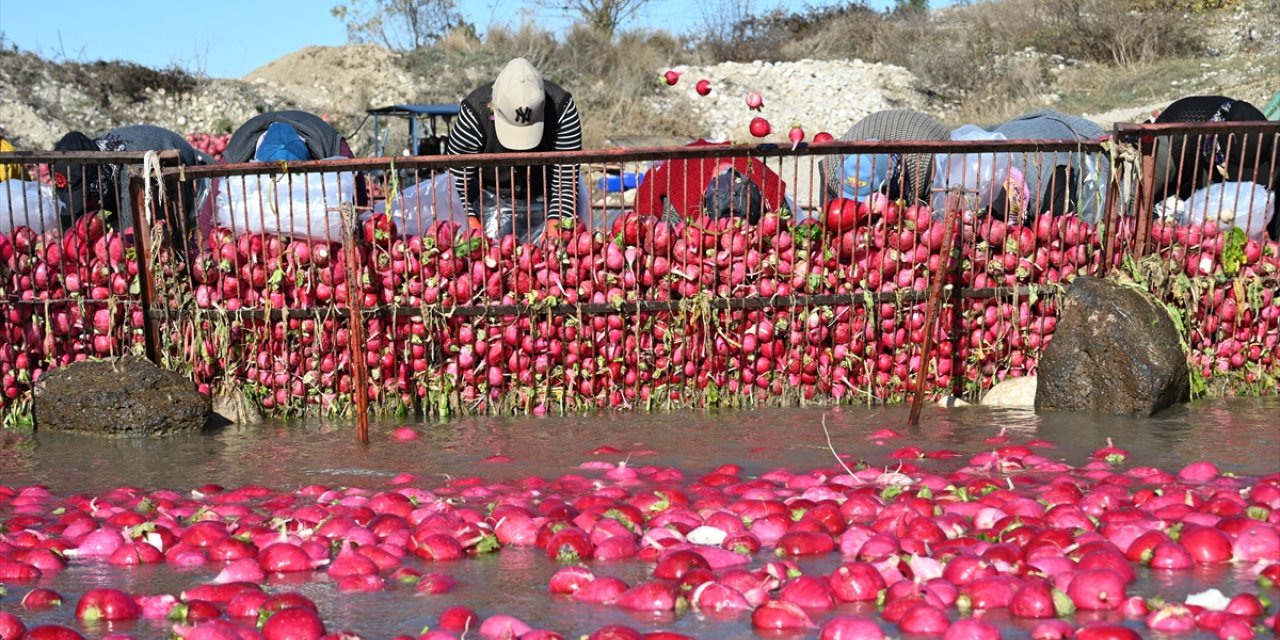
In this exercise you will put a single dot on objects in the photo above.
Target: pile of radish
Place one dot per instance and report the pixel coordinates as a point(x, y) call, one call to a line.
point(211, 143)
point(1009, 542)
point(422, 356)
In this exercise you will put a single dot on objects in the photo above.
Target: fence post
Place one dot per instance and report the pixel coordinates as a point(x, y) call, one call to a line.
point(142, 219)
point(355, 308)
point(932, 310)
point(1146, 200)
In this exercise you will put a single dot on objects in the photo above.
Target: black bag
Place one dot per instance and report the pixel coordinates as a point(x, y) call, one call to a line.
point(733, 195)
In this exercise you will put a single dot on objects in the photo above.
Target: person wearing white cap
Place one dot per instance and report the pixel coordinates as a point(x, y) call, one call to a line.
point(520, 111)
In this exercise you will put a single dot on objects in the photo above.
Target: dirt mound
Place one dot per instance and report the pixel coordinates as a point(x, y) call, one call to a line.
point(338, 80)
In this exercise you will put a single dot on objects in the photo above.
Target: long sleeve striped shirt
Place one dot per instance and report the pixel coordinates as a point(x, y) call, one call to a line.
point(469, 136)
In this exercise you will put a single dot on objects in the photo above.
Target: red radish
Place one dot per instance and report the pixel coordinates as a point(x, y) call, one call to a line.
point(439, 547)
point(760, 127)
point(804, 543)
point(1106, 631)
point(1171, 618)
point(1256, 542)
point(810, 592)
point(51, 632)
point(435, 583)
point(671, 77)
point(754, 101)
point(1097, 590)
point(107, 604)
point(924, 619)
point(602, 590)
point(822, 136)
point(293, 623)
point(18, 572)
point(501, 626)
point(673, 565)
point(1206, 545)
point(972, 629)
point(795, 135)
point(1040, 600)
point(1052, 630)
point(777, 615)
point(703, 87)
point(219, 593)
point(614, 632)
point(856, 582)
point(11, 626)
point(650, 596)
point(715, 597)
point(458, 618)
point(847, 627)
point(37, 599)
point(284, 557)
point(568, 580)
point(1198, 472)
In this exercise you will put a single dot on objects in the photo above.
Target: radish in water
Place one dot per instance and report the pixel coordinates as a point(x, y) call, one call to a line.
point(107, 604)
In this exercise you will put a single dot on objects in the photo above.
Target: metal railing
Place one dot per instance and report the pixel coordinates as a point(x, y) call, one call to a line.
point(287, 283)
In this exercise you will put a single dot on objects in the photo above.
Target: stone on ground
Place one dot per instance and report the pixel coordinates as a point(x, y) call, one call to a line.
point(1115, 351)
point(125, 397)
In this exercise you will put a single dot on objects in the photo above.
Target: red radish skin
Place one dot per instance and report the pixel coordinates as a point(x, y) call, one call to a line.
point(11, 626)
point(776, 615)
point(293, 623)
point(108, 605)
point(458, 618)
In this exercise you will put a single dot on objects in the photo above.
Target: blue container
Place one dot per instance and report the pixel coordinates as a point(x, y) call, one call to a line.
point(618, 182)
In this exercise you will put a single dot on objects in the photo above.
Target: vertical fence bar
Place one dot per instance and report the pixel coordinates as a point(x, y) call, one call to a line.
point(932, 310)
point(142, 228)
point(355, 309)
point(1146, 199)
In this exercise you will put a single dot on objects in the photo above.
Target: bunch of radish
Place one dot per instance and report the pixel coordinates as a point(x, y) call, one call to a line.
point(1009, 539)
point(213, 144)
point(422, 356)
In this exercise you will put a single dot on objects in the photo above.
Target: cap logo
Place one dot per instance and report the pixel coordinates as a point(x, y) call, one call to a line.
point(524, 114)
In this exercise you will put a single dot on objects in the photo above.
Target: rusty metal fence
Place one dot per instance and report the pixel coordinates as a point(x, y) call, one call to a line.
point(358, 286)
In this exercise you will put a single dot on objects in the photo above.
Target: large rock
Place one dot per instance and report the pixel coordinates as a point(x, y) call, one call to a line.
point(1115, 351)
point(1016, 393)
point(122, 397)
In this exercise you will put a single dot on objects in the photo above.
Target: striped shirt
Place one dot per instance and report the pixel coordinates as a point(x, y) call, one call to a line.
point(468, 136)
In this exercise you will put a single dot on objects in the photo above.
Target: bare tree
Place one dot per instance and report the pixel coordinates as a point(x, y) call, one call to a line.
point(603, 16)
point(400, 25)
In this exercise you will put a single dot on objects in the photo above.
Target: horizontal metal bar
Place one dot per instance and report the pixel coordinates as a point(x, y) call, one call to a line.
point(1166, 128)
point(614, 156)
point(650, 306)
point(167, 157)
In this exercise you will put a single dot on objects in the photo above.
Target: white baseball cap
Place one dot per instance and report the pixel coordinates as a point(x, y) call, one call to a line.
point(519, 100)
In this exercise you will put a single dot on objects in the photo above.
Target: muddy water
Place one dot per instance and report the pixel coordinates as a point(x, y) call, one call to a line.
point(1241, 436)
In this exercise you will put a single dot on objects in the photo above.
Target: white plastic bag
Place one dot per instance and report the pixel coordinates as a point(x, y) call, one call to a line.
point(420, 205)
point(27, 203)
point(302, 205)
point(980, 172)
point(1246, 205)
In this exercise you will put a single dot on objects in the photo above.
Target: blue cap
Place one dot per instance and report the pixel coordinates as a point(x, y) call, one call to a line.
point(282, 143)
point(867, 174)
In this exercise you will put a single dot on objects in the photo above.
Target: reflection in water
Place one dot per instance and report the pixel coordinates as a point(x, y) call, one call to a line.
point(1242, 436)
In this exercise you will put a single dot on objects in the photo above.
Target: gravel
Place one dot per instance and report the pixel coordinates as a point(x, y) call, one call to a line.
point(819, 95)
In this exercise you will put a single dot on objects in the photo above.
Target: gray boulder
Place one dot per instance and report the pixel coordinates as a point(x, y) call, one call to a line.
point(122, 397)
point(1115, 351)
point(1016, 393)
